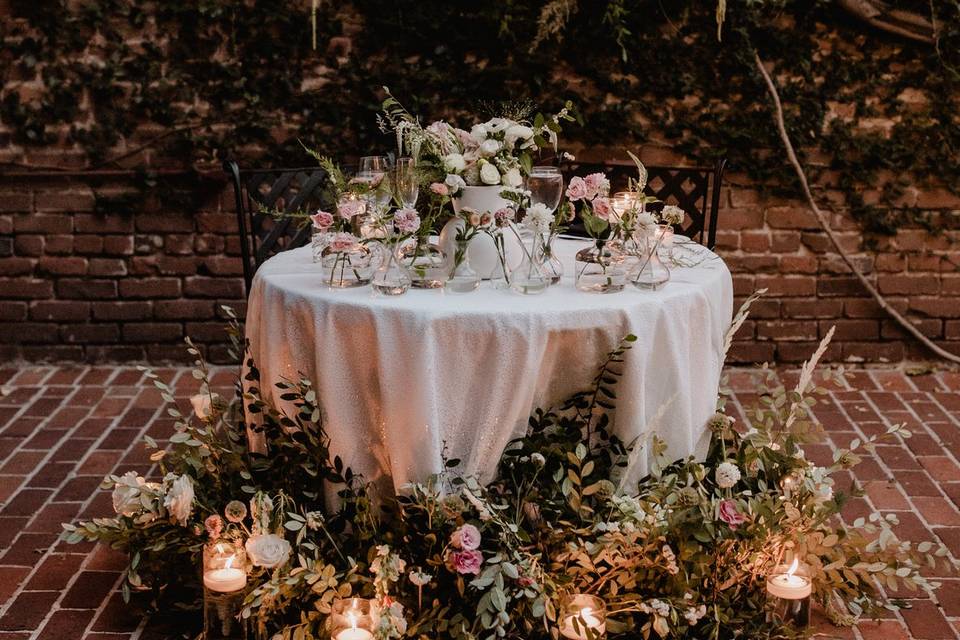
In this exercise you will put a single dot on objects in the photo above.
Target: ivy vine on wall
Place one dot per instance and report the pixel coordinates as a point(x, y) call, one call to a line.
point(192, 81)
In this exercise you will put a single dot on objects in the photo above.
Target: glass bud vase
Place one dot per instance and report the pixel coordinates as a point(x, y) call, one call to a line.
point(390, 279)
point(601, 268)
point(426, 263)
point(529, 277)
point(463, 279)
point(649, 272)
point(549, 263)
point(346, 266)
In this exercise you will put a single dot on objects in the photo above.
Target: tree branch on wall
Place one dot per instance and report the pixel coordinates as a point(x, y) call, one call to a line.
point(880, 15)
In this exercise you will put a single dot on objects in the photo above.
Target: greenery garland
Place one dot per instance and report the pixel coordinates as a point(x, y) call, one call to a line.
point(682, 554)
point(235, 76)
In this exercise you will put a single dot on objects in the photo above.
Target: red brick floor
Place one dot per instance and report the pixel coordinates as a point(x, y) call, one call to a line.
point(62, 429)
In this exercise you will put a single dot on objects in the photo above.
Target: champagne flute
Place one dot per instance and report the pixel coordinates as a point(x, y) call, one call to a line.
point(405, 182)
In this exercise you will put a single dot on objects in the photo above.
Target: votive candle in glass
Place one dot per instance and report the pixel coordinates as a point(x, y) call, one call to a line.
point(583, 617)
point(789, 588)
point(224, 587)
point(352, 619)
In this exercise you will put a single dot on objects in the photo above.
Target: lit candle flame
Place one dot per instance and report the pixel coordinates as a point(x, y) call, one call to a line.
point(229, 562)
point(353, 620)
point(793, 568)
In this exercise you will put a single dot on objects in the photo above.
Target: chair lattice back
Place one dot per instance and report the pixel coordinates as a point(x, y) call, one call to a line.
point(289, 190)
point(696, 190)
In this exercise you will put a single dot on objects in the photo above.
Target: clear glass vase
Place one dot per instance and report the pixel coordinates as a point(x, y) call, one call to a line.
point(529, 277)
point(426, 263)
point(345, 267)
point(500, 278)
point(390, 279)
point(649, 271)
point(549, 263)
point(601, 268)
point(463, 278)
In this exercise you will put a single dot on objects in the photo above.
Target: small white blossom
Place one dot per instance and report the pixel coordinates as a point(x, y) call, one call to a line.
point(672, 214)
point(268, 550)
point(126, 494)
point(539, 218)
point(419, 578)
point(727, 475)
point(454, 163)
point(179, 497)
point(489, 174)
point(693, 615)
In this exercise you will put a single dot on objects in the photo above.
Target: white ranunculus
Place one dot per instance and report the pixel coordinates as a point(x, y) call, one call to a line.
point(179, 498)
point(512, 178)
point(268, 550)
point(489, 148)
point(489, 174)
point(478, 132)
point(126, 494)
point(727, 475)
point(454, 163)
point(201, 405)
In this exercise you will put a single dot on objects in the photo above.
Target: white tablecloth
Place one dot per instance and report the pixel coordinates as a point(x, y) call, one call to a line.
point(409, 381)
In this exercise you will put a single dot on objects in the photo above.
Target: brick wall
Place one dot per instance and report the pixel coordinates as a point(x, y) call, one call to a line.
point(78, 285)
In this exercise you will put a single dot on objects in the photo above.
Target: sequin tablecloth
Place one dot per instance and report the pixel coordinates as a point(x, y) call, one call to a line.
point(409, 381)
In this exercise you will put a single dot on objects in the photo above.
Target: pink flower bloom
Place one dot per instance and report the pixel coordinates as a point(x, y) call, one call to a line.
point(406, 220)
point(348, 208)
point(577, 189)
point(525, 581)
point(602, 208)
point(466, 537)
point(322, 220)
point(597, 185)
point(465, 562)
point(440, 189)
point(214, 524)
point(503, 216)
point(340, 242)
point(729, 513)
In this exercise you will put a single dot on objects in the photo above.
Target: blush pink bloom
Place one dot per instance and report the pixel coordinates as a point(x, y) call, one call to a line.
point(440, 189)
point(502, 217)
point(465, 562)
point(340, 242)
point(406, 220)
point(214, 526)
point(729, 513)
point(322, 220)
point(466, 537)
point(349, 208)
point(602, 208)
point(596, 184)
point(577, 189)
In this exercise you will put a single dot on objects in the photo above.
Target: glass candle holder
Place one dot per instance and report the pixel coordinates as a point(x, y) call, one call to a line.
point(224, 587)
point(352, 619)
point(582, 617)
point(788, 592)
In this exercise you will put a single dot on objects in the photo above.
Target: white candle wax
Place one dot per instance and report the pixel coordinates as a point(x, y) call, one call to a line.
point(575, 627)
point(354, 634)
point(225, 580)
point(789, 586)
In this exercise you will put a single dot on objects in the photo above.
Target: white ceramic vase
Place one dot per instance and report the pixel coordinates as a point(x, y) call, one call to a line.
point(481, 253)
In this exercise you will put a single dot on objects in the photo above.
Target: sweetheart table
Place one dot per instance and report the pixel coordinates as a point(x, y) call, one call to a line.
point(408, 382)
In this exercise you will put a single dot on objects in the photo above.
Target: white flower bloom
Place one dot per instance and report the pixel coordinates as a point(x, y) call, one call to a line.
point(512, 178)
point(645, 221)
point(126, 494)
point(454, 163)
point(455, 182)
point(517, 132)
point(489, 174)
point(496, 125)
point(727, 475)
point(179, 498)
point(538, 460)
point(489, 148)
point(693, 615)
point(268, 550)
point(201, 405)
point(478, 132)
point(672, 214)
point(539, 218)
point(419, 578)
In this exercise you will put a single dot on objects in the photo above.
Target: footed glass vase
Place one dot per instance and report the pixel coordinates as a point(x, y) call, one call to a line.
point(426, 263)
point(463, 278)
point(549, 263)
point(601, 268)
point(390, 279)
point(649, 271)
point(346, 266)
point(529, 277)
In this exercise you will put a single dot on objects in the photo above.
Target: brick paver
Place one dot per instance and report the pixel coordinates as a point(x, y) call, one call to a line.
point(63, 428)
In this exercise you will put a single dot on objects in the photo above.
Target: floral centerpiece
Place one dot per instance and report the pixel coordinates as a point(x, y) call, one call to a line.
point(683, 553)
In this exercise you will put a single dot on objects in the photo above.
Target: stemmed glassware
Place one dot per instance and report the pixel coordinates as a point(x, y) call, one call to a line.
point(374, 172)
point(405, 183)
point(545, 184)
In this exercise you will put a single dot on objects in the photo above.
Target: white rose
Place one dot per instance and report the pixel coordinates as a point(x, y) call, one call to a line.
point(478, 132)
point(727, 475)
point(268, 550)
point(126, 494)
point(179, 498)
point(489, 148)
point(489, 174)
point(512, 178)
point(454, 163)
point(201, 405)
point(455, 182)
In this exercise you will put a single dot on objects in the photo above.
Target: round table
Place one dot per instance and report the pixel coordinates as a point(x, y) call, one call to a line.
point(408, 382)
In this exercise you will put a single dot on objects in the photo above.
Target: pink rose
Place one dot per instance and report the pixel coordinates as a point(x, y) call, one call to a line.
point(577, 189)
point(406, 220)
point(597, 185)
point(213, 524)
point(729, 513)
point(465, 562)
point(342, 242)
point(349, 208)
point(602, 208)
point(466, 537)
point(322, 220)
point(440, 189)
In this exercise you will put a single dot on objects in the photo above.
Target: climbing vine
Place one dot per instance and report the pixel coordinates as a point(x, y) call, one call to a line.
point(193, 81)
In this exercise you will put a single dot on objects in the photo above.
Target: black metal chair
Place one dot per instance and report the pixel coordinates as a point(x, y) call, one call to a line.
point(288, 190)
point(696, 190)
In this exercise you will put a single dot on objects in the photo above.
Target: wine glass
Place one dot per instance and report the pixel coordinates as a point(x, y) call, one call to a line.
point(546, 186)
point(405, 182)
point(373, 172)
